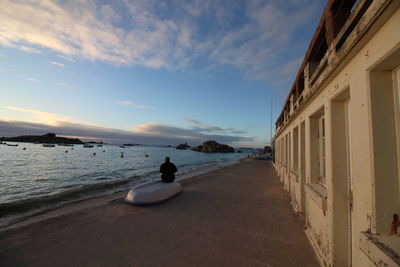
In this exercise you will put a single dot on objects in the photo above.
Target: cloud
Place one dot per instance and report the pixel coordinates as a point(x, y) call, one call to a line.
point(57, 64)
point(65, 85)
point(194, 122)
point(40, 122)
point(33, 80)
point(126, 103)
point(36, 116)
point(132, 104)
point(201, 127)
point(291, 67)
point(246, 35)
point(190, 135)
point(28, 49)
point(149, 134)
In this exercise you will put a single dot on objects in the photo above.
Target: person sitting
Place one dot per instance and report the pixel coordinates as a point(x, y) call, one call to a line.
point(168, 170)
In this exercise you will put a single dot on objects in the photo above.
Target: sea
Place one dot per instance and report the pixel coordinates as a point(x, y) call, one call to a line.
point(34, 178)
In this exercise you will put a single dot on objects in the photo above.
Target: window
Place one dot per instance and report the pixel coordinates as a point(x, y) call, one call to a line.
point(396, 84)
point(287, 151)
point(321, 148)
point(317, 148)
point(385, 118)
point(296, 150)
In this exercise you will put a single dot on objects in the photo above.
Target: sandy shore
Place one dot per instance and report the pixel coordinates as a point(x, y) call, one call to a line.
point(235, 216)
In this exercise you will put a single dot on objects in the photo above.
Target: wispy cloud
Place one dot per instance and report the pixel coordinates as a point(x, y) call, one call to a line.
point(246, 35)
point(291, 67)
point(33, 80)
point(64, 85)
point(28, 49)
point(58, 64)
point(201, 127)
point(190, 135)
point(37, 116)
point(132, 104)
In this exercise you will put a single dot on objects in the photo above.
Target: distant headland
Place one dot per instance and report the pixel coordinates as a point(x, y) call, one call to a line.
point(49, 138)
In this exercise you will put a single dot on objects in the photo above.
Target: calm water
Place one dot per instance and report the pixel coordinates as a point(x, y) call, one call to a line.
point(41, 177)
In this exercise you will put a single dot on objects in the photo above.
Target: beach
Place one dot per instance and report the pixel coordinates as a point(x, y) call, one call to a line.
point(234, 216)
point(39, 179)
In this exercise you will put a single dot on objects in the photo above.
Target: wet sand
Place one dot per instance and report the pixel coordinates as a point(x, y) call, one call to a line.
point(235, 216)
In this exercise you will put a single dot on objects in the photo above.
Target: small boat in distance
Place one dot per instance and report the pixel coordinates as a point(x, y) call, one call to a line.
point(12, 145)
point(48, 145)
point(65, 144)
point(99, 145)
point(87, 146)
point(121, 146)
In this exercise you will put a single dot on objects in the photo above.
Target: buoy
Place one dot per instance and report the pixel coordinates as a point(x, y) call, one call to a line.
point(24, 148)
point(122, 154)
point(94, 153)
point(146, 155)
point(66, 151)
point(104, 151)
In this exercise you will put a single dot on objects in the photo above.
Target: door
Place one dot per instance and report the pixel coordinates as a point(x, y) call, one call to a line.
point(342, 199)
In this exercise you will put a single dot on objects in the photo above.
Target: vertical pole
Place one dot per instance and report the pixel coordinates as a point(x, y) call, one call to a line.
point(270, 140)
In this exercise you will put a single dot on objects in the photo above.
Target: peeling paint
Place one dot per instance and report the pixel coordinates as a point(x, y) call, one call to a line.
point(344, 78)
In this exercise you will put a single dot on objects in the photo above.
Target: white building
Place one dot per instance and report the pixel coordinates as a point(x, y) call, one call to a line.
point(337, 142)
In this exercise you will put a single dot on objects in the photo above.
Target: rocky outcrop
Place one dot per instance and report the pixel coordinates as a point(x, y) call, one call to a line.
point(49, 138)
point(183, 146)
point(197, 148)
point(214, 147)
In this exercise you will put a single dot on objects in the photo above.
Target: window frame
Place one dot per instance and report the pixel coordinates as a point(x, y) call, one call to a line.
point(321, 136)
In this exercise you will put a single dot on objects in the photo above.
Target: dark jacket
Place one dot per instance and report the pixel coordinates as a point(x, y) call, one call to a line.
point(168, 171)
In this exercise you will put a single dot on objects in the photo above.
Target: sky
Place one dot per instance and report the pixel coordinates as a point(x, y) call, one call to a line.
point(151, 72)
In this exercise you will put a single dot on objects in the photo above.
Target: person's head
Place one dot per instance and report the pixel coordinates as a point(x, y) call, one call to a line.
point(167, 159)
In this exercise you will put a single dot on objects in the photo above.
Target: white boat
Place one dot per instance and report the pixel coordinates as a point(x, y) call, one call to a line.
point(152, 193)
point(48, 145)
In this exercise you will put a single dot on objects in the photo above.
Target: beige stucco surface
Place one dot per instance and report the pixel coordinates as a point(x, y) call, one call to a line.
point(352, 75)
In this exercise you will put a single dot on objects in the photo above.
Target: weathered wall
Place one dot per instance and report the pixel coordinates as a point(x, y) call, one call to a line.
point(351, 79)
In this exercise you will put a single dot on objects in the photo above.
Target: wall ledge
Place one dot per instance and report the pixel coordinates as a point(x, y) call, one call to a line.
point(295, 175)
point(317, 193)
point(379, 253)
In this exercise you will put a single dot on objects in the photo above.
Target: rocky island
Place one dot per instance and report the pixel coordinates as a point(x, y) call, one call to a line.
point(183, 146)
point(212, 146)
point(49, 138)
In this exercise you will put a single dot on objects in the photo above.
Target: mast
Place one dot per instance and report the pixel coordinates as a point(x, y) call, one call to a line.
point(270, 138)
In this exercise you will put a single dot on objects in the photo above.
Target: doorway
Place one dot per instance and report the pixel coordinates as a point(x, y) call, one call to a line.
point(342, 197)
